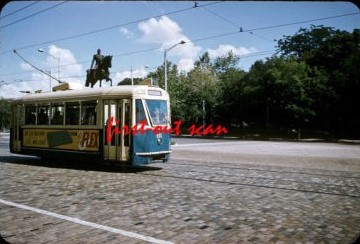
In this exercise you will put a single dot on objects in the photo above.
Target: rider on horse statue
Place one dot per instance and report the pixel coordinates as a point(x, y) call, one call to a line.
point(97, 59)
point(100, 70)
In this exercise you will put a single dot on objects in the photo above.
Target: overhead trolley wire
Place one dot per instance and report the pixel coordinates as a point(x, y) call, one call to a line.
point(83, 62)
point(235, 25)
point(108, 28)
point(177, 11)
point(18, 10)
point(218, 36)
point(301, 22)
point(271, 27)
point(32, 15)
point(131, 53)
point(222, 17)
point(37, 67)
point(210, 37)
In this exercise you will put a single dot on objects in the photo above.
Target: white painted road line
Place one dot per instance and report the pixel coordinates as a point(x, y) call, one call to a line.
point(86, 223)
point(203, 144)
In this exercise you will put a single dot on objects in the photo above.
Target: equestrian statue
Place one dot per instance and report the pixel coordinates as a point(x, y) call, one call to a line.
point(100, 71)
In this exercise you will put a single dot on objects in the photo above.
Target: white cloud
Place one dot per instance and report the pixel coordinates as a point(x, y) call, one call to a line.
point(136, 73)
point(126, 32)
point(25, 66)
point(167, 32)
point(68, 64)
point(186, 65)
point(163, 30)
point(224, 49)
point(14, 89)
point(70, 71)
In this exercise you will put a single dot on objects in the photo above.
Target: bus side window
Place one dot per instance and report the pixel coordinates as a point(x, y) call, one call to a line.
point(30, 115)
point(43, 115)
point(140, 112)
point(72, 112)
point(88, 113)
point(57, 112)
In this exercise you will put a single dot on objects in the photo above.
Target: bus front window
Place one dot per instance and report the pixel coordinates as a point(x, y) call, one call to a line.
point(158, 111)
point(140, 112)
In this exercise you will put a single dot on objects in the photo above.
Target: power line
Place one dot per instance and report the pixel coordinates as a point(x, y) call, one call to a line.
point(223, 35)
point(88, 61)
point(135, 52)
point(300, 22)
point(212, 37)
point(257, 54)
point(31, 15)
point(107, 28)
point(196, 40)
point(37, 67)
point(260, 36)
point(223, 18)
point(18, 10)
point(235, 25)
point(270, 27)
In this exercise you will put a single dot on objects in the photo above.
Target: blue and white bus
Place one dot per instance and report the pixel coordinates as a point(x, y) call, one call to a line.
point(93, 124)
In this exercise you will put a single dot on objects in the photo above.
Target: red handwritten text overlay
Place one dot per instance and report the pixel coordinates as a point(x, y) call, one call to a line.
point(140, 128)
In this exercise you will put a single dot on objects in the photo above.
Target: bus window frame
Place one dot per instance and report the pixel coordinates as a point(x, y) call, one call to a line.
point(48, 111)
point(67, 117)
point(147, 118)
point(86, 104)
point(26, 116)
point(149, 112)
point(52, 107)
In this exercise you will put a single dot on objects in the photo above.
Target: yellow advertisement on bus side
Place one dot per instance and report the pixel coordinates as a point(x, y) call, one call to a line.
point(83, 140)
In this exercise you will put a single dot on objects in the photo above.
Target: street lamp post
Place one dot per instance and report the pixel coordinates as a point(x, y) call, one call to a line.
point(57, 57)
point(165, 65)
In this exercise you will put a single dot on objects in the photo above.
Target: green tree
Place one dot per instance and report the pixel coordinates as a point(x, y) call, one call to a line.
point(335, 54)
point(225, 62)
point(200, 87)
point(230, 94)
point(127, 81)
point(278, 92)
point(229, 106)
point(301, 45)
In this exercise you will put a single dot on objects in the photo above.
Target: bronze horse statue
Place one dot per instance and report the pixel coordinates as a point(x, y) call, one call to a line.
point(101, 73)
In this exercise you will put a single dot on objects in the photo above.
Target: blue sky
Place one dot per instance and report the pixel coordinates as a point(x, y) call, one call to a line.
point(131, 28)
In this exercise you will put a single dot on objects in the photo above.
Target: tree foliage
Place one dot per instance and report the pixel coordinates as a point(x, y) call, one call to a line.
point(335, 54)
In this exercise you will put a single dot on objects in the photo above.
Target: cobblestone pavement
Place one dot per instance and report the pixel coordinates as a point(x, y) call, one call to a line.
point(183, 201)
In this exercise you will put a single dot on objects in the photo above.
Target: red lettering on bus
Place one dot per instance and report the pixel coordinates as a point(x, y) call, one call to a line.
point(193, 130)
point(140, 128)
point(176, 129)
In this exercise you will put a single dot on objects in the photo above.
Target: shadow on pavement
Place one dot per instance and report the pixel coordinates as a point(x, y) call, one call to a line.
point(112, 167)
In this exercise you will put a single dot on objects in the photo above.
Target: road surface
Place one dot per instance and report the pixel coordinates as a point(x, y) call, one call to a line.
point(211, 191)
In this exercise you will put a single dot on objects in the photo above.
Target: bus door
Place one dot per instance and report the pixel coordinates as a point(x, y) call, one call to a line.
point(118, 113)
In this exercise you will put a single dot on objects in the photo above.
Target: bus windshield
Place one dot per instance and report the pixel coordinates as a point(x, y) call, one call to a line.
point(158, 111)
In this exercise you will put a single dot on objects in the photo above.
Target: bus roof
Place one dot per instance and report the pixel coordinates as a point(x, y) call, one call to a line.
point(95, 93)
